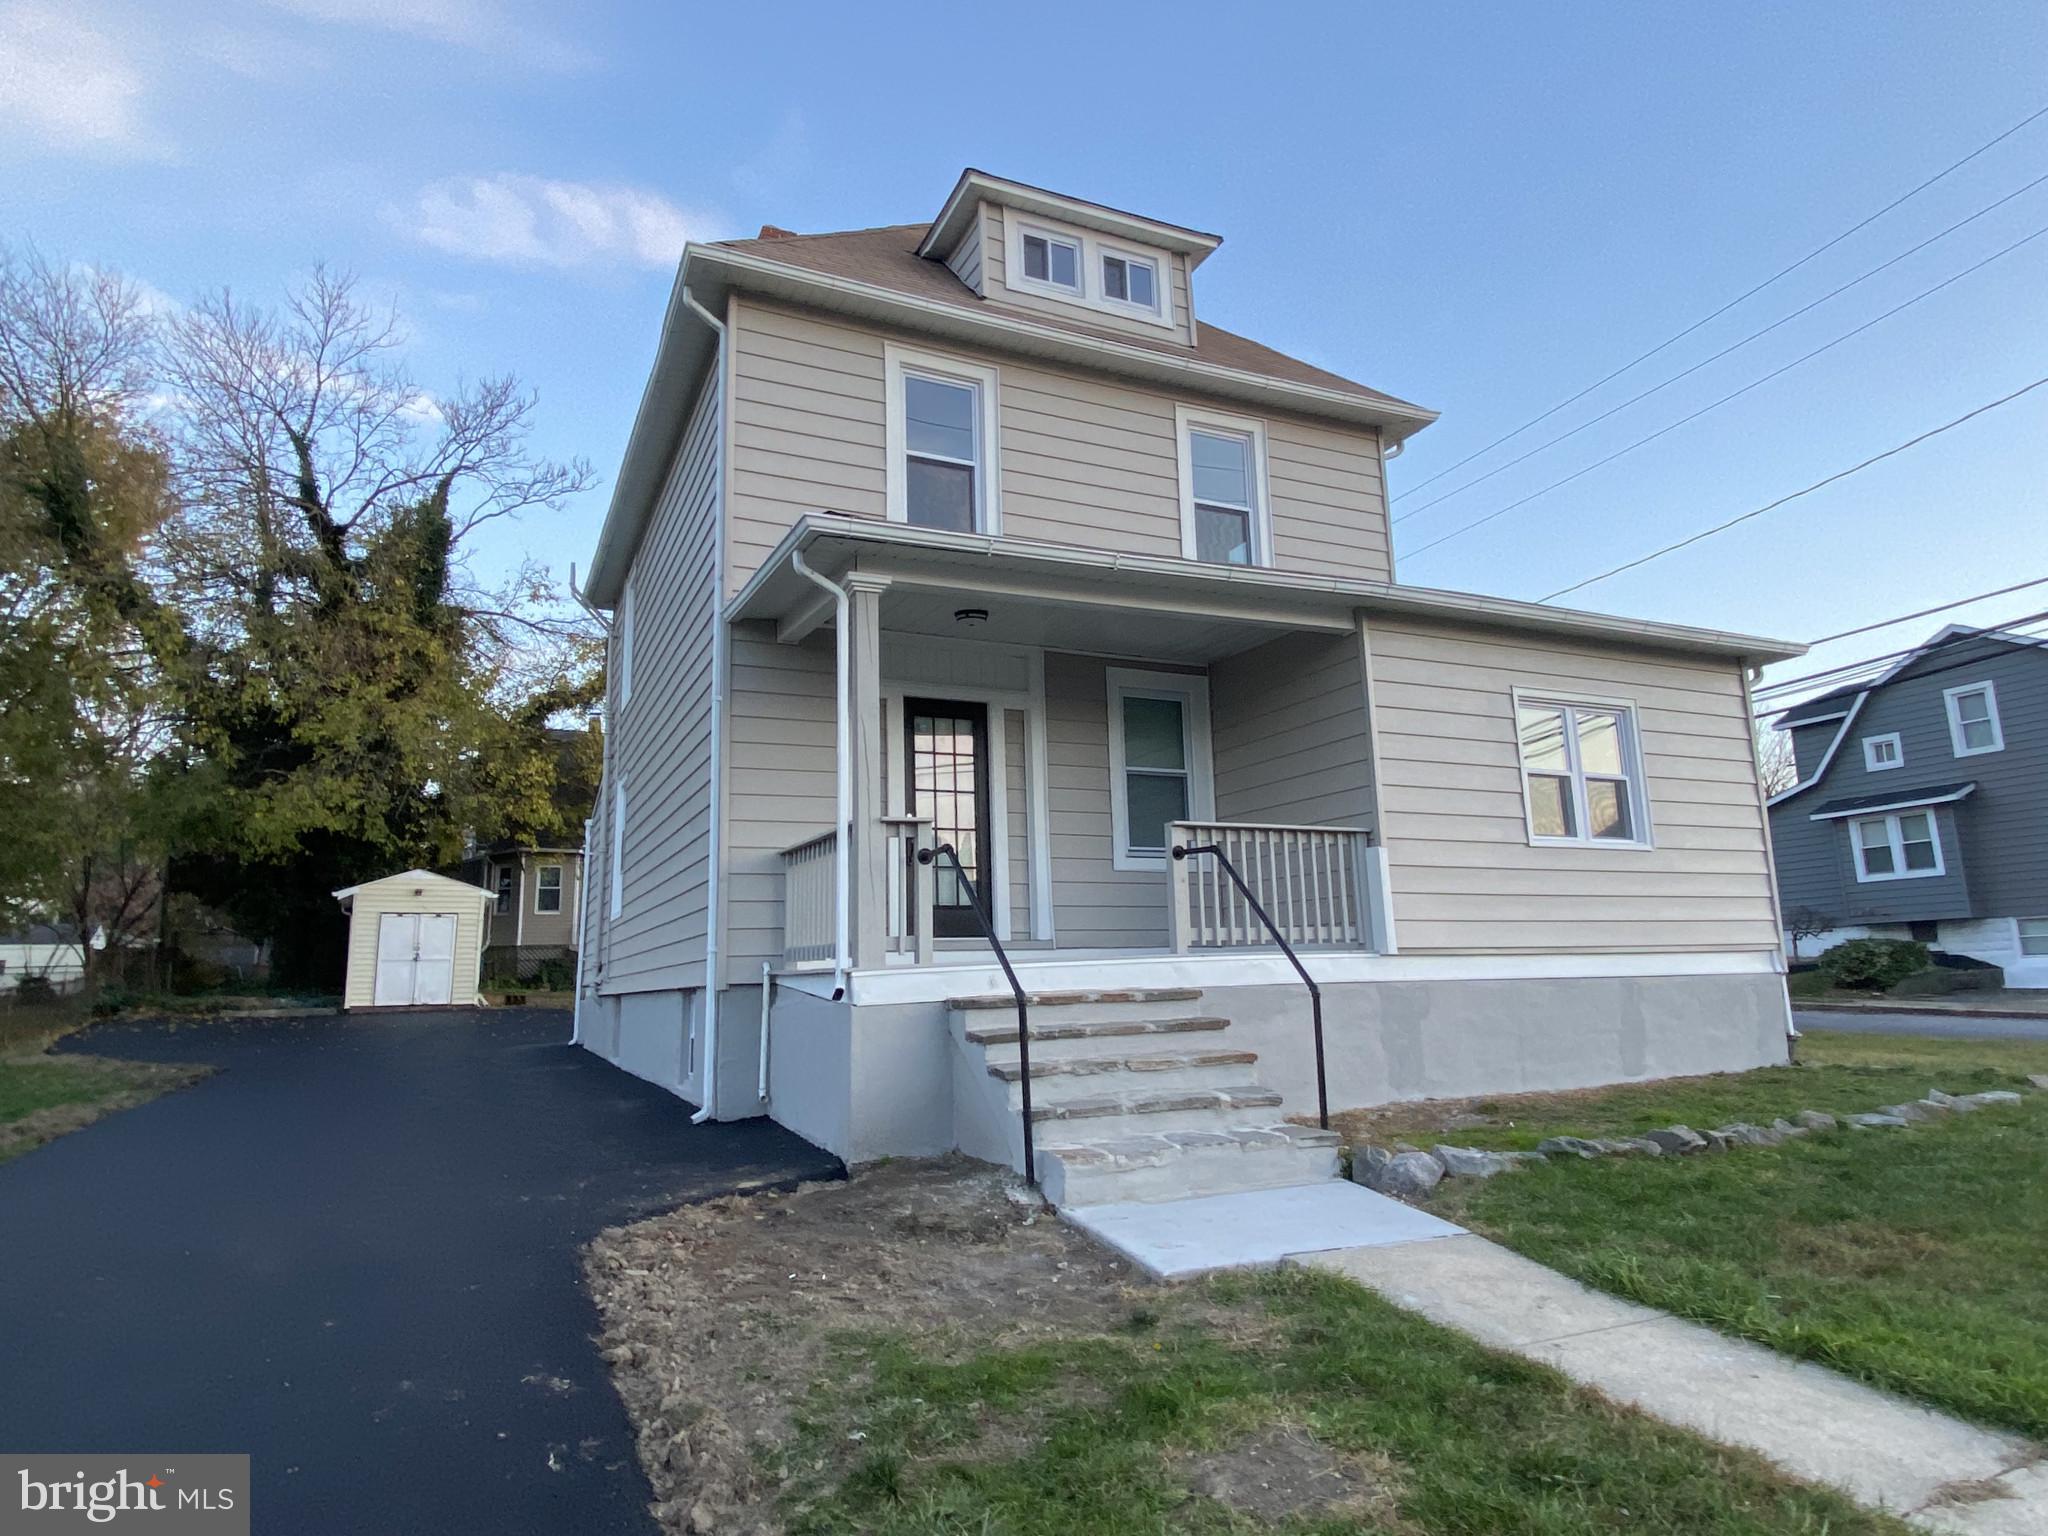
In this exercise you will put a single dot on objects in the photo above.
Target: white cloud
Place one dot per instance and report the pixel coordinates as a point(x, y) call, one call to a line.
point(484, 25)
point(70, 87)
point(533, 221)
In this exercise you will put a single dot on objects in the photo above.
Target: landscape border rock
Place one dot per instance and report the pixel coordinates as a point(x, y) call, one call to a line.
point(1408, 1172)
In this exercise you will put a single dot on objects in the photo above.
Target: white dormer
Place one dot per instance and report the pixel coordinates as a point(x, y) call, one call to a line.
point(1021, 245)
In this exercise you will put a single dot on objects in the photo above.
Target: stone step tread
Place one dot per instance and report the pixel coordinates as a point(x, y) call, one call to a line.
point(1091, 1066)
point(1099, 1029)
point(1080, 999)
point(1150, 1150)
point(1248, 1096)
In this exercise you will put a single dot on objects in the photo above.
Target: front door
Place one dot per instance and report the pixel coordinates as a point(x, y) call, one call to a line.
point(946, 759)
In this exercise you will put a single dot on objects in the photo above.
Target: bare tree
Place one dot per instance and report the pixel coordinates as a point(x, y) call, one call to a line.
point(1775, 760)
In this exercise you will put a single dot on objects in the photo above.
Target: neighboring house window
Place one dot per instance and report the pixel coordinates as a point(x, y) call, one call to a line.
point(1052, 260)
point(1882, 752)
point(2034, 936)
point(1901, 846)
point(1159, 761)
point(1223, 516)
point(1130, 280)
point(1973, 719)
point(941, 425)
point(624, 641)
point(547, 888)
point(1582, 778)
point(505, 878)
point(618, 847)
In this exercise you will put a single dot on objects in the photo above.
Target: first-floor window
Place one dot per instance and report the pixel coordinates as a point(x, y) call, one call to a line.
point(547, 888)
point(505, 879)
point(2034, 936)
point(1159, 753)
point(1902, 846)
point(1581, 772)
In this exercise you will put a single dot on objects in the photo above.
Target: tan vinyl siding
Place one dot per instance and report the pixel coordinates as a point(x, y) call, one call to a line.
point(781, 782)
point(1288, 719)
point(1465, 878)
point(463, 902)
point(995, 251)
point(544, 927)
point(661, 736)
point(965, 259)
point(1086, 460)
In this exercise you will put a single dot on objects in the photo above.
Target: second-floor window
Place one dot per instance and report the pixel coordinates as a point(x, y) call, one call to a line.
point(941, 427)
point(547, 888)
point(1902, 846)
point(1882, 752)
point(1973, 719)
point(1223, 489)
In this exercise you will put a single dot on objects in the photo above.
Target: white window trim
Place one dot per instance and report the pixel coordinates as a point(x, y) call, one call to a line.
point(1093, 248)
point(1631, 763)
point(1871, 743)
point(618, 861)
point(898, 361)
point(2019, 938)
point(1191, 690)
point(1949, 697)
point(1045, 285)
point(624, 627)
point(561, 891)
point(1898, 846)
point(1187, 418)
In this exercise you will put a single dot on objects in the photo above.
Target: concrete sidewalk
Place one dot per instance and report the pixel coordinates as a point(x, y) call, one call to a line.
point(1944, 1475)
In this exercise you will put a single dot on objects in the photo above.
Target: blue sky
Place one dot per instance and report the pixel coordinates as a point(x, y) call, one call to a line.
point(1483, 209)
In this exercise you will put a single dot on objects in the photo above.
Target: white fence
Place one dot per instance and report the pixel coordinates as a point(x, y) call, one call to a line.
point(809, 895)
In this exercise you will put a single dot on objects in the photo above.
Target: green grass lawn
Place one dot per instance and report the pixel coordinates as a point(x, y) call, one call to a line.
point(42, 1097)
point(1915, 1260)
point(1289, 1401)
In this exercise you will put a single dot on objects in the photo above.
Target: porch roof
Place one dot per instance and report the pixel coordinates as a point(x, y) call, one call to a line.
point(1225, 602)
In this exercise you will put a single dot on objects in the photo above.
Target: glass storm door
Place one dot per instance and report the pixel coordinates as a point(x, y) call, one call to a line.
point(946, 753)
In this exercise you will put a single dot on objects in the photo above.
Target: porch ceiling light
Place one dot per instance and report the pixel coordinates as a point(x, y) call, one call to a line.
point(973, 618)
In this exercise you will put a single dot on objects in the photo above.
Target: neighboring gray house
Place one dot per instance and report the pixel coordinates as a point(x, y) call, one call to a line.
point(980, 530)
point(1921, 809)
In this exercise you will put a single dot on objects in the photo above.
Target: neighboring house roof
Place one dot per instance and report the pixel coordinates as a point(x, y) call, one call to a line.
point(1898, 800)
point(43, 933)
point(1845, 704)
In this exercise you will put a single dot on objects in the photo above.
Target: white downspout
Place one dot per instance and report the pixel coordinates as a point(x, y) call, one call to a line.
point(767, 1008)
point(714, 910)
point(603, 783)
point(842, 745)
point(1750, 673)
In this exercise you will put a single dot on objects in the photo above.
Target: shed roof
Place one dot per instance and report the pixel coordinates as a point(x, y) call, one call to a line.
point(422, 878)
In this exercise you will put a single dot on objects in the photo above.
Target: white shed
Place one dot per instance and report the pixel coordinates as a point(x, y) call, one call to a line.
point(415, 940)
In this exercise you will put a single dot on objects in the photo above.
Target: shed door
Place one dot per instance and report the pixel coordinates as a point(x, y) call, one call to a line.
point(415, 959)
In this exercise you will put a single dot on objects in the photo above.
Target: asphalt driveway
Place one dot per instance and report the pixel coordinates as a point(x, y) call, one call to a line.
point(354, 1254)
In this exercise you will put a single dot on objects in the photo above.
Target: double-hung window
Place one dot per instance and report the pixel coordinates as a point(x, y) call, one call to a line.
point(1222, 489)
point(1973, 719)
point(1582, 779)
point(1159, 760)
point(1053, 260)
point(1130, 280)
point(941, 424)
point(547, 888)
point(1905, 845)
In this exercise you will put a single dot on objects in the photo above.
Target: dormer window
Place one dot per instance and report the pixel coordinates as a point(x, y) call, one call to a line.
point(1052, 260)
point(1129, 280)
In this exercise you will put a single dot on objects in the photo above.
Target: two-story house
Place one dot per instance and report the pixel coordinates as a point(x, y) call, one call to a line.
point(980, 532)
point(1921, 809)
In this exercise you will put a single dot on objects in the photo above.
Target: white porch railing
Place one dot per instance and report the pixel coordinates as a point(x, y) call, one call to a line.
point(809, 896)
point(910, 886)
point(1314, 882)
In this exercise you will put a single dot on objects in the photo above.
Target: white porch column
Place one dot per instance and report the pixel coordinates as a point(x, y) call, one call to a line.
point(868, 842)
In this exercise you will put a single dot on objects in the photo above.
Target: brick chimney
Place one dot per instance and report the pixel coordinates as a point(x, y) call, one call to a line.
point(775, 232)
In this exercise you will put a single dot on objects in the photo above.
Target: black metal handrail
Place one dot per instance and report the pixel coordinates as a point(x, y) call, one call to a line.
point(1315, 993)
point(988, 929)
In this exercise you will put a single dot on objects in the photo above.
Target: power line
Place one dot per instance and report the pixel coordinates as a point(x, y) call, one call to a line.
point(2010, 630)
point(1769, 506)
point(1833, 293)
point(1837, 676)
point(1921, 613)
point(1827, 346)
point(1749, 293)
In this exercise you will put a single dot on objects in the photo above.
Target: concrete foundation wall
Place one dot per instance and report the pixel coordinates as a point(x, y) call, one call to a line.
point(862, 1083)
point(661, 1036)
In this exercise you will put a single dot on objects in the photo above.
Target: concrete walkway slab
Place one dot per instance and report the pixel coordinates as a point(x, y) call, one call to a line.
point(1878, 1449)
point(1253, 1228)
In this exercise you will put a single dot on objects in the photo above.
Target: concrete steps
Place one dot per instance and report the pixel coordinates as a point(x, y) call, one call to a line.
point(1138, 1095)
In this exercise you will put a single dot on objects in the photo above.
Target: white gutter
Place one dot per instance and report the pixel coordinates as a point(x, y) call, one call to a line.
point(842, 745)
point(714, 909)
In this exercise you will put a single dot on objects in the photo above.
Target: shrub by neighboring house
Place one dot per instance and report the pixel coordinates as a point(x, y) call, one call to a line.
point(1921, 810)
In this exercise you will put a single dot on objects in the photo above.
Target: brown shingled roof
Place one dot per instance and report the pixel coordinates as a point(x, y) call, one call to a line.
point(887, 258)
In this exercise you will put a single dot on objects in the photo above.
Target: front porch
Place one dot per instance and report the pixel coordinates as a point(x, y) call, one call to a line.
point(1063, 738)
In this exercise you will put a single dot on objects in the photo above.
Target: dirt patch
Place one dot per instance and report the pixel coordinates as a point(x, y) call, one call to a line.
point(719, 1317)
point(144, 1081)
point(1283, 1473)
